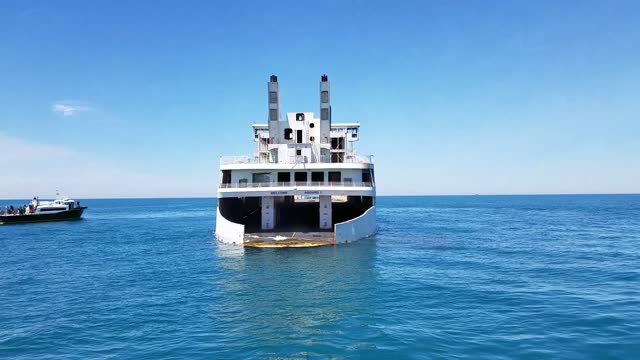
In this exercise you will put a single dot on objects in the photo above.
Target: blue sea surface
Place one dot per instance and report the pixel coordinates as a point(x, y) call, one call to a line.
point(445, 277)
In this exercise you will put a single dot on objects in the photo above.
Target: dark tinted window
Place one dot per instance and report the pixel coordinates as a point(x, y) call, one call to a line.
point(284, 176)
point(317, 176)
point(226, 176)
point(366, 176)
point(300, 176)
point(261, 177)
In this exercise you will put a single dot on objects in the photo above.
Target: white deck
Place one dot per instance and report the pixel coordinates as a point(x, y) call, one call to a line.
point(267, 190)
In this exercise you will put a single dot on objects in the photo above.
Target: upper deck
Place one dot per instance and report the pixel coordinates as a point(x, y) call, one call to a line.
point(247, 162)
point(299, 153)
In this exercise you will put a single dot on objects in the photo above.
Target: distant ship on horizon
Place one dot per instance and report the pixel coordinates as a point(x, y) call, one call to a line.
point(305, 185)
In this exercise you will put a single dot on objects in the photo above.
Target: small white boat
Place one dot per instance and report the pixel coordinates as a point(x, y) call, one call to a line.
point(40, 211)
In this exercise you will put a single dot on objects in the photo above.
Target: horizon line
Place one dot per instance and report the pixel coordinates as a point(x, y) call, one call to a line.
point(389, 195)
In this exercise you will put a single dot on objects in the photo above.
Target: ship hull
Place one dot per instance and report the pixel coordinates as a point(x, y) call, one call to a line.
point(73, 214)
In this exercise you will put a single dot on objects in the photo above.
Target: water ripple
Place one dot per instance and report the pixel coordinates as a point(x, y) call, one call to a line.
point(455, 277)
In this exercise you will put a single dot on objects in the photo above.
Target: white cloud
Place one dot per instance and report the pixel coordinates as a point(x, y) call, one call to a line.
point(69, 109)
point(30, 168)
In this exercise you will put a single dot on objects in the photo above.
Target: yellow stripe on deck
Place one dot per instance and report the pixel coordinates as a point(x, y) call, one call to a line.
point(286, 244)
point(284, 240)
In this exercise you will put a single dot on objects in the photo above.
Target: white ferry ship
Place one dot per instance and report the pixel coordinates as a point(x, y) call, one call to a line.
point(305, 185)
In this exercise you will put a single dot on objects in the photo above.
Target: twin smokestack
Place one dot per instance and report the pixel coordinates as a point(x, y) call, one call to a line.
point(325, 107)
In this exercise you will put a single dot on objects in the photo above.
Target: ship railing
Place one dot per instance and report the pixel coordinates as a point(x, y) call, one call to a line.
point(229, 160)
point(357, 158)
point(350, 158)
point(296, 183)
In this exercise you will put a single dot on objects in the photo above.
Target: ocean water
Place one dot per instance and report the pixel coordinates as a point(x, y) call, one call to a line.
point(446, 277)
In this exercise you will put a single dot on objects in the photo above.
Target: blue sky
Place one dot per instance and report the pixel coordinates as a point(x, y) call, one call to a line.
point(139, 99)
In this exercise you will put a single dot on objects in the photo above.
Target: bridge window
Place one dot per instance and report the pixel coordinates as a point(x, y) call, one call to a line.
point(262, 177)
point(226, 176)
point(366, 176)
point(335, 176)
point(300, 176)
point(300, 117)
point(317, 176)
point(284, 177)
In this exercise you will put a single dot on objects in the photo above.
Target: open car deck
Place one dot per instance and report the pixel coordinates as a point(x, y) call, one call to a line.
point(289, 239)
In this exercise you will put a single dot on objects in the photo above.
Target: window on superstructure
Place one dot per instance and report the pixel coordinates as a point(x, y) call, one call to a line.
point(284, 177)
point(226, 176)
point(334, 176)
point(288, 134)
point(337, 157)
point(261, 178)
point(324, 97)
point(300, 117)
point(366, 176)
point(312, 125)
point(300, 176)
point(317, 176)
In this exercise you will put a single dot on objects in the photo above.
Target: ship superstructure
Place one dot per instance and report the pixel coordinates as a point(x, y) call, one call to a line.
point(304, 185)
